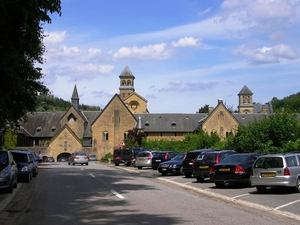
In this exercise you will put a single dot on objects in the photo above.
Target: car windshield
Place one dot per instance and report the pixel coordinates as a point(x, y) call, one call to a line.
point(179, 157)
point(235, 158)
point(20, 157)
point(3, 159)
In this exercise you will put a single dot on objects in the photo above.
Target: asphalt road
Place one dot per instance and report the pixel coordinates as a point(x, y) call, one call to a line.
point(101, 194)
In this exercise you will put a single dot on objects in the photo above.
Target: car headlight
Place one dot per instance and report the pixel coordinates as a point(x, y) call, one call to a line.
point(175, 165)
point(3, 174)
point(24, 169)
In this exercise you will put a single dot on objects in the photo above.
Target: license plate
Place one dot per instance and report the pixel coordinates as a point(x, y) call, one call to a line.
point(158, 160)
point(141, 160)
point(267, 174)
point(163, 169)
point(203, 167)
point(224, 169)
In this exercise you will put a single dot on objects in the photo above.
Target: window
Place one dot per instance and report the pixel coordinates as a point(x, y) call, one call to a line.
point(105, 136)
point(128, 83)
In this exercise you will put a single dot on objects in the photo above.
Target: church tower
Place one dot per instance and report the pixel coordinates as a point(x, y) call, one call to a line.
point(75, 98)
point(245, 101)
point(126, 83)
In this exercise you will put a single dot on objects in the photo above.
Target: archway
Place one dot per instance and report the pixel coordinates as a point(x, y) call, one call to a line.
point(63, 157)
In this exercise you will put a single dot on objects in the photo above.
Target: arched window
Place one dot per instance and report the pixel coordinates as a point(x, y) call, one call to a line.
point(123, 82)
point(128, 83)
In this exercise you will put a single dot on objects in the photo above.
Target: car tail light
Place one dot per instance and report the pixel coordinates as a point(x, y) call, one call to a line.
point(212, 169)
point(217, 159)
point(149, 156)
point(251, 172)
point(166, 156)
point(286, 172)
point(239, 169)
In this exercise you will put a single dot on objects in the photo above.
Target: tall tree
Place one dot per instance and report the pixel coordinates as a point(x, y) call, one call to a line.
point(21, 47)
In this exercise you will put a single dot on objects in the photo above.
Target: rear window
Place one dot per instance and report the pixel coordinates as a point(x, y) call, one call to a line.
point(269, 162)
point(191, 155)
point(206, 157)
point(117, 152)
point(235, 158)
point(143, 154)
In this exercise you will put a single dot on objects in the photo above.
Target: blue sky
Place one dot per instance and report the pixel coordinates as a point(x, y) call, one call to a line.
point(184, 54)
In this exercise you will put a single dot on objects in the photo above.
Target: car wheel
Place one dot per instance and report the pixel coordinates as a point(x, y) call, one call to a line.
point(69, 163)
point(16, 183)
point(164, 174)
point(82, 164)
point(297, 187)
point(181, 171)
point(34, 174)
point(28, 179)
point(117, 164)
point(154, 168)
point(220, 184)
point(188, 175)
point(87, 164)
point(261, 189)
point(139, 167)
point(128, 164)
point(200, 179)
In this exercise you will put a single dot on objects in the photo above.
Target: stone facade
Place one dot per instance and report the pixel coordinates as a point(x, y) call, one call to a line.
point(58, 134)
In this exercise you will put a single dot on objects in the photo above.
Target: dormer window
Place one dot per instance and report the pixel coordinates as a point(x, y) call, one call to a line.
point(147, 124)
point(53, 128)
point(38, 129)
point(173, 124)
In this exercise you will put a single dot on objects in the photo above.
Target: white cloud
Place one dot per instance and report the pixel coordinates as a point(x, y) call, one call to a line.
point(204, 12)
point(157, 51)
point(184, 42)
point(266, 54)
point(55, 37)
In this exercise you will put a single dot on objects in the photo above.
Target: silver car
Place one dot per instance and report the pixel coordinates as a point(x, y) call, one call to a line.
point(276, 170)
point(8, 171)
point(78, 158)
point(144, 159)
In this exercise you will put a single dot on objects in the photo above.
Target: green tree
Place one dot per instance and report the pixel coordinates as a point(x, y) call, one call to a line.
point(10, 139)
point(21, 47)
point(268, 135)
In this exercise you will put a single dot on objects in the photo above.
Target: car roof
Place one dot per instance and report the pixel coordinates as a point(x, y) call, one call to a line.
point(202, 150)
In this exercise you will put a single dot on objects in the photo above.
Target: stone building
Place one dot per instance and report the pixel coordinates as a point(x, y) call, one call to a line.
point(58, 134)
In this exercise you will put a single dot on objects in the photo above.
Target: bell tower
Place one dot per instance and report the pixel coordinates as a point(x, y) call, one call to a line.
point(245, 101)
point(126, 83)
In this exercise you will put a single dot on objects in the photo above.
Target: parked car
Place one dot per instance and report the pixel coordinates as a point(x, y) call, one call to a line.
point(234, 169)
point(78, 158)
point(144, 159)
point(129, 154)
point(24, 164)
point(187, 165)
point(204, 161)
point(92, 157)
point(173, 166)
point(117, 156)
point(276, 170)
point(50, 159)
point(35, 161)
point(8, 171)
point(161, 156)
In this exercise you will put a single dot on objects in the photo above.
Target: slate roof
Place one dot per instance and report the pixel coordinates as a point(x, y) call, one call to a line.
point(47, 124)
point(167, 122)
point(41, 124)
point(245, 91)
point(126, 73)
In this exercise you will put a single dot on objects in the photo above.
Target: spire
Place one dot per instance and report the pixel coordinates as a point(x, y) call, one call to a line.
point(75, 98)
point(126, 73)
point(245, 91)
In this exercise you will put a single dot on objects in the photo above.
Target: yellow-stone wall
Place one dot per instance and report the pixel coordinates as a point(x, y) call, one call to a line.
point(65, 142)
point(114, 121)
point(220, 121)
point(76, 125)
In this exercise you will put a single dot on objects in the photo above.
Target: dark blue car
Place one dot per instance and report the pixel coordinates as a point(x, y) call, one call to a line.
point(24, 164)
point(173, 166)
